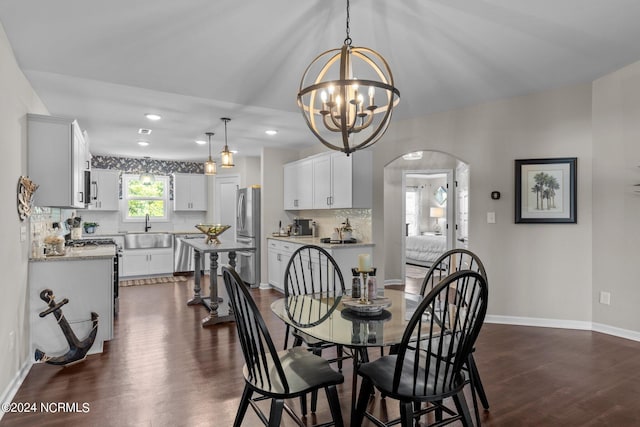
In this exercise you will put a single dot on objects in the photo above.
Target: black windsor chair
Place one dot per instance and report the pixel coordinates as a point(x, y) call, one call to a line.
point(428, 365)
point(275, 375)
point(312, 271)
point(448, 263)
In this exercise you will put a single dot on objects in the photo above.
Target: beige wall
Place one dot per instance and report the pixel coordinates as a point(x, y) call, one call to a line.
point(535, 270)
point(16, 100)
point(616, 209)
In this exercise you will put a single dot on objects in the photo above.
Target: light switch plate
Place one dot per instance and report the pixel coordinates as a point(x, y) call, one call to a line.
point(491, 217)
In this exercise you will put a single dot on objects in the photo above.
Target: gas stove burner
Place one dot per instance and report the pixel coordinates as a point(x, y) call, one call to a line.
point(90, 242)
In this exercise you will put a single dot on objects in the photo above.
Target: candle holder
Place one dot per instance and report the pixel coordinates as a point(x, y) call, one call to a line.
point(364, 292)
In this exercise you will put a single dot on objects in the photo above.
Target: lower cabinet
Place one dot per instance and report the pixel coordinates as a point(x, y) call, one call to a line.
point(278, 255)
point(88, 284)
point(147, 262)
point(279, 252)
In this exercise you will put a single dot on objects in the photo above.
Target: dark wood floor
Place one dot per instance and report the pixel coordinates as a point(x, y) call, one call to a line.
point(164, 369)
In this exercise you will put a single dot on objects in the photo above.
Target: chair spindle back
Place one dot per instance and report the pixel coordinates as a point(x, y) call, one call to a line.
point(441, 334)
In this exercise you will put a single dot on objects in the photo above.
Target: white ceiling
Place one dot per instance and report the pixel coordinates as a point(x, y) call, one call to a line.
point(107, 63)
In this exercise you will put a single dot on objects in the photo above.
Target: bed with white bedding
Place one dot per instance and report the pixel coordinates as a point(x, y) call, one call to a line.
point(423, 250)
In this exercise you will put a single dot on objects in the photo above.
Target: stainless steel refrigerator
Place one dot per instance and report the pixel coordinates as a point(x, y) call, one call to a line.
point(248, 231)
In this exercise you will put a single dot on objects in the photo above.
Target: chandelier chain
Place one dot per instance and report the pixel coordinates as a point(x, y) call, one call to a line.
point(347, 41)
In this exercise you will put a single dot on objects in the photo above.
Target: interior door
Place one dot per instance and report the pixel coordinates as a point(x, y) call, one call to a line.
point(226, 188)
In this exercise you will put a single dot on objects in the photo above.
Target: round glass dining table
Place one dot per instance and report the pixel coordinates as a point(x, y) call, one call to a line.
point(344, 326)
point(333, 322)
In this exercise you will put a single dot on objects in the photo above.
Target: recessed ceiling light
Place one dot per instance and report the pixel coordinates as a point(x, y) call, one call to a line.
point(271, 132)
point(143, 131)
point(200, 141)
point(416, 155)
point(153, 117)
point(143, 143)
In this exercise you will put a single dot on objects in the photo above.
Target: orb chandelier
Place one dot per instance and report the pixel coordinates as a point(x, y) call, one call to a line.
point(225, 154)
point(338, 95)
point(210, 167)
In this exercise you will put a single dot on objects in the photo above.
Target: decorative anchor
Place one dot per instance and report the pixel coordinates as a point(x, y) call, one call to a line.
point(77, 349)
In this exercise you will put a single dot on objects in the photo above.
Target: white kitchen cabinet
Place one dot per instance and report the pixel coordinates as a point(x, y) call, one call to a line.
point(147, 262)
point(337, 181)
point(189, 192)
point(104, 189)
point(322, 185)
point(298, 185)
point(57, 159)
point(279, 252)
point(278, 255)
point(88, 284)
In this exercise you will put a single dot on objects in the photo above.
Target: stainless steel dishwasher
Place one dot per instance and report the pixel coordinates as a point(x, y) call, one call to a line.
point(183, 255)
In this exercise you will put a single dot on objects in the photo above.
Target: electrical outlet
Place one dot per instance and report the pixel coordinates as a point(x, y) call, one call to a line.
point(605, 297)
point(491, 217)
point(23, 233)
point(12, 340)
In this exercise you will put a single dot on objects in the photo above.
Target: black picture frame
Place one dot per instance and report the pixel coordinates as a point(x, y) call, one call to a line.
point(546, 191)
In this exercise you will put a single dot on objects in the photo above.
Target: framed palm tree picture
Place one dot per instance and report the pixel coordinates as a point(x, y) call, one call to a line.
point(546, 190)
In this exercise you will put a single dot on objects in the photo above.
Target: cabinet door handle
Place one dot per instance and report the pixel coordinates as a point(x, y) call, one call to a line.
point(81, 196)
point(329, 201)
point(95, 191)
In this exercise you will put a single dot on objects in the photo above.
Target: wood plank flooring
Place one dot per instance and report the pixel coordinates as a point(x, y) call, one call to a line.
point(164, 369)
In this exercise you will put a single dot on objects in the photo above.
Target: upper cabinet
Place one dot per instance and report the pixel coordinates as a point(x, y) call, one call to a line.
point(298, 185)
point(57, 161)
point(335, 181)
point(104, 189)
point(190, 192)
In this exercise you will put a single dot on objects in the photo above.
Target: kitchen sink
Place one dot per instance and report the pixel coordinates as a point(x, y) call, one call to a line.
point(147, 240)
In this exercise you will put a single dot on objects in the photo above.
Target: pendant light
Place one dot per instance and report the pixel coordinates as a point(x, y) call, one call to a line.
point(146, 177)
point(210, 167)
point(226, 155)
point(343, 113)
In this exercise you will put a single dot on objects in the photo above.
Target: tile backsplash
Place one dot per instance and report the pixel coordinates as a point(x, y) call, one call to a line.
point(329, 219)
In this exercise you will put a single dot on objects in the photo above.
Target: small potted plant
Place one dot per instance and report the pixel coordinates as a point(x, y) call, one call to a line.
point(90, 227)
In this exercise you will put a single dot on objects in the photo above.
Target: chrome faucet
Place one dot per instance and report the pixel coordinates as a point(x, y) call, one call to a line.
point(147, 224)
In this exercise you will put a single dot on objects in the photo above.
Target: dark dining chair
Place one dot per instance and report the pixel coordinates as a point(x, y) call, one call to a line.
point(448, 263)
point(275, 375)
point(312, 271)
point(428, 365)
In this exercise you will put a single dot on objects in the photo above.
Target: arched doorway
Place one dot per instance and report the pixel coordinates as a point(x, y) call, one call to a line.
point(425, 210)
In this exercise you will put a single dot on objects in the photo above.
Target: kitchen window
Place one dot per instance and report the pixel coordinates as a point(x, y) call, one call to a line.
point(145, 199)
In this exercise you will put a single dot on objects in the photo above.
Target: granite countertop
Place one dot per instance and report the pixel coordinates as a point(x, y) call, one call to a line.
point(307, 240)
point(83, 253)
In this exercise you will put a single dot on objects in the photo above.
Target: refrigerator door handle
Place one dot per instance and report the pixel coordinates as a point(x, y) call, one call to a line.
point(241, 211)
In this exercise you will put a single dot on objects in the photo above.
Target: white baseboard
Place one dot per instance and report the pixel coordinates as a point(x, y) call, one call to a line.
point(564, 324)
point(265, 286)
point(618, 332)
point(14, 385)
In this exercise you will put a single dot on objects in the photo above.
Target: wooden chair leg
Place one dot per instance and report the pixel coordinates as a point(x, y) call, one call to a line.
point(275, 416)
point(334, 405)
point(303, 405)
point(314, 401)
point(475, 376)
point(463, 409)
point(406, 414)
point(357, 416)
point(244, 404)
point(339, 353)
